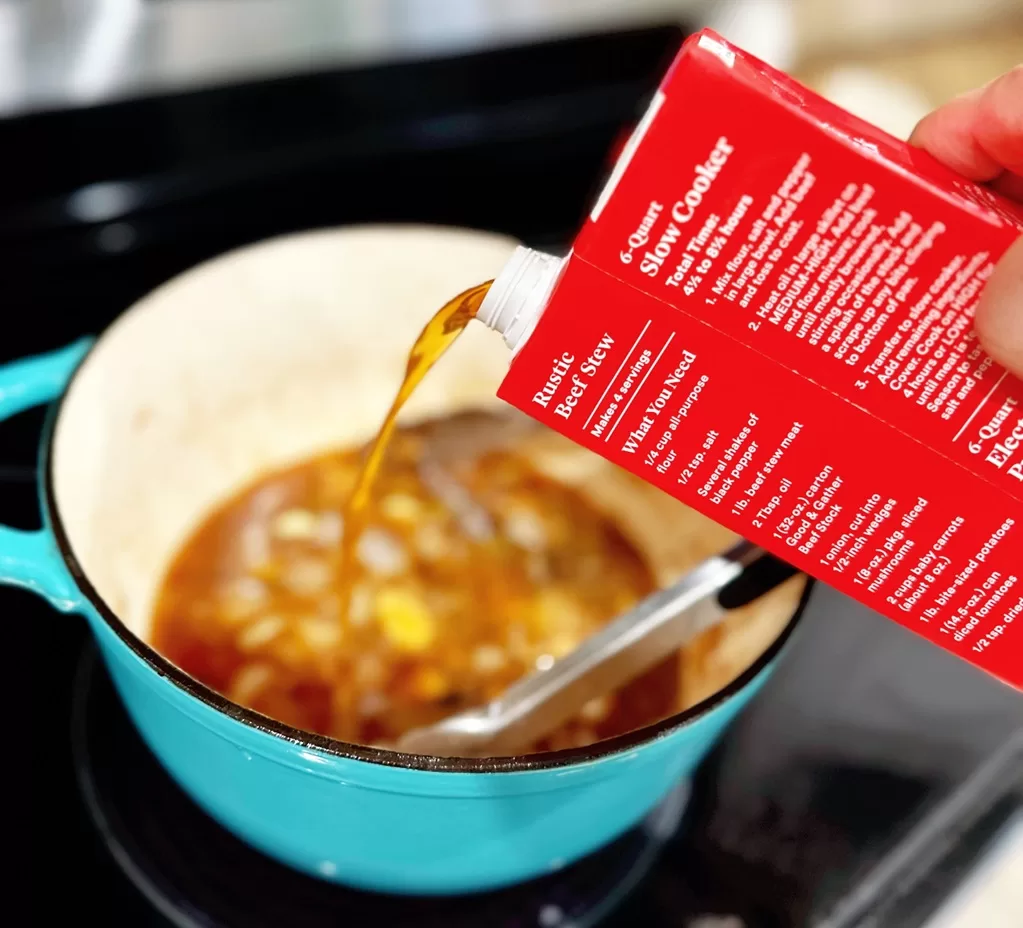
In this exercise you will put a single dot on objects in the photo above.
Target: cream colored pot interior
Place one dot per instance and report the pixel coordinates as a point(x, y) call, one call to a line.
point(295, 346)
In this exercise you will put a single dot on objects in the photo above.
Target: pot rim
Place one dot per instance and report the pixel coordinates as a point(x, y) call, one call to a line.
point(188, 684)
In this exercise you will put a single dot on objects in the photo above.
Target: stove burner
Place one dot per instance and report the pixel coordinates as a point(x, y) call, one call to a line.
point(197, 874)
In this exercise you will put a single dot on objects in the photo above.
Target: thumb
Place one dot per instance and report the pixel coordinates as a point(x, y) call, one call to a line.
point(999, 318)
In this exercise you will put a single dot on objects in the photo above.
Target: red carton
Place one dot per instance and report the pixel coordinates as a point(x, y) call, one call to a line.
point(769, 316)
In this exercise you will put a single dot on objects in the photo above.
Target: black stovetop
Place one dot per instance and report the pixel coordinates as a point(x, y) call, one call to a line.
point(858, 788)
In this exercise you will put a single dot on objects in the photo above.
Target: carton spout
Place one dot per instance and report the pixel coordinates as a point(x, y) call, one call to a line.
point(517, 297)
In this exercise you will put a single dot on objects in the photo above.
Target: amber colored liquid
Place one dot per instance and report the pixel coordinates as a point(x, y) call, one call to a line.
point(439, 619)
point(437, 336)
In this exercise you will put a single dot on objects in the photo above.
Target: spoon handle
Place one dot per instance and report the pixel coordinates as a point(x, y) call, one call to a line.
point(657, 627)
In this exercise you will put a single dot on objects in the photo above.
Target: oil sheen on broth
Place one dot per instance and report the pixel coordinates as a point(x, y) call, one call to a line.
point(361, 601)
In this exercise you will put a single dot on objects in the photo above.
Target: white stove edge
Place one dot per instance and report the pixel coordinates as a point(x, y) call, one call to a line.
point(991, 896)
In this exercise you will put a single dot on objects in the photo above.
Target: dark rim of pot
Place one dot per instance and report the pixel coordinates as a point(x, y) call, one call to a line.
point(545, 761)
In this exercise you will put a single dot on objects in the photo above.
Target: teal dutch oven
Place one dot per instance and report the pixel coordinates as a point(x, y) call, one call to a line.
point(252, 361)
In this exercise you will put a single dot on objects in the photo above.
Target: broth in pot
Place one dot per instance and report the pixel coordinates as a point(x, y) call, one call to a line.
point(491, 547)
point(469, 571)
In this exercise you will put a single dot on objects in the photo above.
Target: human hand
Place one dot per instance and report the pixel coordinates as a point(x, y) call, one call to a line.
point(980, 135)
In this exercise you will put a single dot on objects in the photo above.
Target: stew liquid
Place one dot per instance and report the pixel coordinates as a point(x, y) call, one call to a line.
point(359, 600)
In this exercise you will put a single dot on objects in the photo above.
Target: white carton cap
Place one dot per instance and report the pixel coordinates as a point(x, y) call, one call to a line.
point(518, 295)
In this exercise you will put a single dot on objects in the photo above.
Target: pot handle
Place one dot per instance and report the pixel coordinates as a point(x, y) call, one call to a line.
point(31, 559)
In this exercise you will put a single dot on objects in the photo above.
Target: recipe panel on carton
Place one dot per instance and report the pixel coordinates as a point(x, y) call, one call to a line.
point(756, 447)
point(824, 258)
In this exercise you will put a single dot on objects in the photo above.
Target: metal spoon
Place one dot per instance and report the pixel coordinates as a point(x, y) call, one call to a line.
point(660, 625)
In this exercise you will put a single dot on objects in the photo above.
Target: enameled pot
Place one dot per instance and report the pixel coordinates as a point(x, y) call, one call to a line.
point(252, 361)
